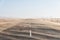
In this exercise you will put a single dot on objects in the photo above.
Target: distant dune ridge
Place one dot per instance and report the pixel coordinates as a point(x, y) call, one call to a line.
point(42, 28)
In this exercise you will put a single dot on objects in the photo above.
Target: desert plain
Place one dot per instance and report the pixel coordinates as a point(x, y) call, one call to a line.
point(19, 29)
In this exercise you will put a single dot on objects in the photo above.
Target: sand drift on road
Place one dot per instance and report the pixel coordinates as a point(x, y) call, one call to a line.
point(38, 29)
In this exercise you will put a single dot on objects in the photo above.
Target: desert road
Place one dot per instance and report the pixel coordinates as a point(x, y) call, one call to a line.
point(21, 31)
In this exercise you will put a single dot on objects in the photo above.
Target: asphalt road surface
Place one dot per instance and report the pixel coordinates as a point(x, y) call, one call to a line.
point(21, 32)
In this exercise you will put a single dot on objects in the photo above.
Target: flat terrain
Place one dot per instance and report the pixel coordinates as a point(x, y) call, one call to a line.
point(42, 29)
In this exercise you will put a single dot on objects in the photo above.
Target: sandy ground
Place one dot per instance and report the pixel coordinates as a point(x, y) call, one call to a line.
point(19, 30)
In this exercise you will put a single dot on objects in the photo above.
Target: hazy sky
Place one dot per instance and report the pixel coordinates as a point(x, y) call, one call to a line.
point(30, 8)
